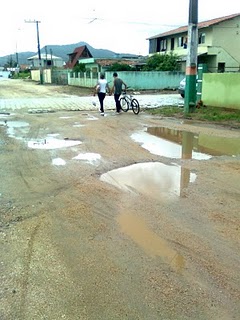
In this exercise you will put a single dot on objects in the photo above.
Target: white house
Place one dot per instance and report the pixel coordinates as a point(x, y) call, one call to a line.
point(47, 61)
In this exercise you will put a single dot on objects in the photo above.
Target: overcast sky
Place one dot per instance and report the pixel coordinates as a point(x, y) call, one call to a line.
point(120, 26)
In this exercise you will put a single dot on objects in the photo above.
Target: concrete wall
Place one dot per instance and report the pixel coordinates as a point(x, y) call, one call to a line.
point(60, 76)
point(138, 80)
point(221, 90)
point(35, 75)
point(4, 74)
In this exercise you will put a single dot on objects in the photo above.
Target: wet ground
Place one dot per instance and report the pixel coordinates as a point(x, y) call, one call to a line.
point(115, 217)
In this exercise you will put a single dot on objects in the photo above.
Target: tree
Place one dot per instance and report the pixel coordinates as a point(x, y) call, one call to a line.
point(10, 63)
point(79, 67)
point(120, 67)
point(162, 62)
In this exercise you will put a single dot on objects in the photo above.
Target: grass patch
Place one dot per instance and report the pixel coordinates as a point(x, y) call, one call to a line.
point(210, 114)
point(165, 111)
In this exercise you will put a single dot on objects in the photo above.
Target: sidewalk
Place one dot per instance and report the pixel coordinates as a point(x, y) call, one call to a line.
point(74, 103)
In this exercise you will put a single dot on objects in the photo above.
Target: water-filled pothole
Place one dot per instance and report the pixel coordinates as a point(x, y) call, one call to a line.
point(52, 143)
point(153, 179)
point(153, 245)
point(15, 129)
point(179, 144)
point(89, 157)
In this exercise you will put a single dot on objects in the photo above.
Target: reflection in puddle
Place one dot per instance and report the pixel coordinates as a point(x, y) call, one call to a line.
point(155, 179)
point(15, 127)
point(90, 117)
point(165, 148)
point(185, 145)
point(78, 125)
point(53, 134)
point(90, 157)
point(58, 162)
point(51, 143)
point(149, 241)
point(65, 117)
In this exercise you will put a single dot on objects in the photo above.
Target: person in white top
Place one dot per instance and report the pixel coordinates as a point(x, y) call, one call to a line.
point(101, 88)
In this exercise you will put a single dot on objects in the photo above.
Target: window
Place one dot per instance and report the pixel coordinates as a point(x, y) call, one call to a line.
point(163, 45)
point(172, 43)
point(221, 67)
point(185, 43)
point(180, 42)
point(201, 38)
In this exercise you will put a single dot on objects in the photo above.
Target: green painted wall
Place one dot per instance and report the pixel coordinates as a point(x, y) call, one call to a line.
point(221, 90)
point(146, 80)
point(139, 80)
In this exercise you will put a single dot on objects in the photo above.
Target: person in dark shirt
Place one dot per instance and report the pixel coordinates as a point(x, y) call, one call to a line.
point(117, 90)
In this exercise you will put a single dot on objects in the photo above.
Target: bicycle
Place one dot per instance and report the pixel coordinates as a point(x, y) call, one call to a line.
point(127, 101)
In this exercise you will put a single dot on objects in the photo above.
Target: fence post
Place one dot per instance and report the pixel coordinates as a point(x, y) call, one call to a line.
point(202, 68)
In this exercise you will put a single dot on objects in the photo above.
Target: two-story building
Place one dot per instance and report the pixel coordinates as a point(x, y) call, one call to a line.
point(218, 43)
point(47, 61)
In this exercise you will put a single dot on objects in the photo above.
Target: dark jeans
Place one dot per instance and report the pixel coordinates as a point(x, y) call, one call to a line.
point(101, 97)
point(116, 98)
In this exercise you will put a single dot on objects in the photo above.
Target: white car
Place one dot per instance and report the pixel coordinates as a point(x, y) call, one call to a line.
point(182, 85)
point(181, 88)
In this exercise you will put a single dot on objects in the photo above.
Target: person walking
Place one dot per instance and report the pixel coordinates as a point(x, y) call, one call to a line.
point(117, 89)
point(101, 88)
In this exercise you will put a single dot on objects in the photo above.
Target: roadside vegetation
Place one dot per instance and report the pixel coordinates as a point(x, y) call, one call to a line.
point(207, 114)
point(21, 75)
point(162, 62)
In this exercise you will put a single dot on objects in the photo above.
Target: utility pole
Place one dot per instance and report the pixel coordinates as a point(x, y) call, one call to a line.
point(17, 60)
point(39, 52)
point(191, 66)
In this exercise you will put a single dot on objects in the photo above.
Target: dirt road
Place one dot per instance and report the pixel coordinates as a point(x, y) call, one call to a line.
point(74, 246)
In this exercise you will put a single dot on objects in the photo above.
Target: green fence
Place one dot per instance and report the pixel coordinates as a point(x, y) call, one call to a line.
point(60, 77)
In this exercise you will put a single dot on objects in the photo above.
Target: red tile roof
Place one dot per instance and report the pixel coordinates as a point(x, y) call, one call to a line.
point(79, 52)
point(201, 25)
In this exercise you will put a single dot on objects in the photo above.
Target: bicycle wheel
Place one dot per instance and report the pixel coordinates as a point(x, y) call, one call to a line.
point(124, 104)
point(135, 106)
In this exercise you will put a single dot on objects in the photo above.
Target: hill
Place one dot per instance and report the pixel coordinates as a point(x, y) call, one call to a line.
point(59, 51)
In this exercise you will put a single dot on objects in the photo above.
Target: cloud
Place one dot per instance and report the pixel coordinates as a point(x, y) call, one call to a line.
point(117, 26)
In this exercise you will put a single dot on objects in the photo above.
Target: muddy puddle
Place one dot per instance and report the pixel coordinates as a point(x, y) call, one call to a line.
point(152, 179)
point(58, 162)
point(15, 129)
point(179, 144)
point(89, 157)
point(153, 245)
point(52, 143)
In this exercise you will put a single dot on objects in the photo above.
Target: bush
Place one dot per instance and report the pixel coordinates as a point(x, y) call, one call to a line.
point(162, 62)
point(120, 67)
point(79, 67)
point(21, 74)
